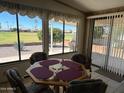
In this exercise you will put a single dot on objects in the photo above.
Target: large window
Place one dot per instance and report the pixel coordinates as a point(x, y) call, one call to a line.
point(70, 37)
point(62, 37)
point(20, 36)
point(30, 31)
point(28, 38)
point(8, 37)
point(55, 37)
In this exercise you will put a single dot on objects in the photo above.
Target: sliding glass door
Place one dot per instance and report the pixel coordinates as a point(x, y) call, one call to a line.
point(101, 37)
point(116, 53)
point(108, 43)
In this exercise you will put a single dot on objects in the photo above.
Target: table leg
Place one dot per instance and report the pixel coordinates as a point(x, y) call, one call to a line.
point(64, 89)
point(56, 89)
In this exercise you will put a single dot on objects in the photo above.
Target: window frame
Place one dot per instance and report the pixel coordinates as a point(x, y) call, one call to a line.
point(63, 38)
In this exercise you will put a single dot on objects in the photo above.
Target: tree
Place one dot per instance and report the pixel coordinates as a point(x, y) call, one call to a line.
point(39, 34)
point(57, 35)
point(0, 26)
point(13, 29)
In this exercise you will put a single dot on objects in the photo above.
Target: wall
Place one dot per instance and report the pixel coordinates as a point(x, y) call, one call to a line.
point(20, 66)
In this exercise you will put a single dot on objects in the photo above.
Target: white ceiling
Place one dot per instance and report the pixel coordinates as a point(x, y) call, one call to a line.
point(93, 5)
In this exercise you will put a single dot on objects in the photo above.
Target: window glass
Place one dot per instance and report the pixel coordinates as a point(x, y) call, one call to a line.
point(30, 30)
point(55, 37)
point(8, 38)
point(70, 37)
point(30, 36)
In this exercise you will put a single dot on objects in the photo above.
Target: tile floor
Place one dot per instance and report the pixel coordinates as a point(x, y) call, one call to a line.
point(113, 86)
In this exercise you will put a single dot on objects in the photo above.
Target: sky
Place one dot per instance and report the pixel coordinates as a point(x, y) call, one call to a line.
point(9, 21)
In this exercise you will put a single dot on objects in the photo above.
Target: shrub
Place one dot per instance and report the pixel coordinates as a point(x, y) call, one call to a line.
point(39, 34)
point(21, 45)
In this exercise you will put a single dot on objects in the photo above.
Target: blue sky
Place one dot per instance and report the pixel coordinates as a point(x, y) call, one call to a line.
point(9, 21)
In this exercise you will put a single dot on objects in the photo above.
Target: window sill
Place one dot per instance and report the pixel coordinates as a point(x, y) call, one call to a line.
point(14, 59)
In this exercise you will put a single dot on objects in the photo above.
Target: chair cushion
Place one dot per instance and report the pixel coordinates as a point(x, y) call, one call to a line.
point(37, 56)
point(79, 58)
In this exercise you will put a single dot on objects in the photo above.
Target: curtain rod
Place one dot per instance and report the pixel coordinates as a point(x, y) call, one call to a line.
point(105, 15)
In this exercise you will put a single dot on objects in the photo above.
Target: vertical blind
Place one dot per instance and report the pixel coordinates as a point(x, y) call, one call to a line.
point(108, 42)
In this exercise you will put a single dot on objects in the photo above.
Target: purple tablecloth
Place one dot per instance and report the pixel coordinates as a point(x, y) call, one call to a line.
point(41, 72)
point(75, 70)
point(47, 63)
point(69, 74)
point(71, 64)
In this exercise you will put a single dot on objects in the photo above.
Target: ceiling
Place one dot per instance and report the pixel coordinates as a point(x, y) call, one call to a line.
point(81, 5)
point(93, 5)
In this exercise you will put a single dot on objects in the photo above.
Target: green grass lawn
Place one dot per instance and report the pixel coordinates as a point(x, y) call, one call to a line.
point(11, 37)
point(26, 37)
point(68, 36)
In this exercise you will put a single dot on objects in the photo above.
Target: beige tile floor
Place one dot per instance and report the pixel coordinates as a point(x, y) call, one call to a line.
point(113, 86)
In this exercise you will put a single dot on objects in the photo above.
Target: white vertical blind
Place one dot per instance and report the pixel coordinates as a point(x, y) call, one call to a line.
point(116, 59)
point(108, 42)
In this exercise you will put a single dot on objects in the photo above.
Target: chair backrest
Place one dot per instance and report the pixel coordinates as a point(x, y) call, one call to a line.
point(16, 81)
point(87, 86)
point(80, 58)
point(38, 56)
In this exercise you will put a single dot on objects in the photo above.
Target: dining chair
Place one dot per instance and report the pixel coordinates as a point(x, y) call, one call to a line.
point(38, 56)
point(87, 86)
point(18, 86)
point(82, 59)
